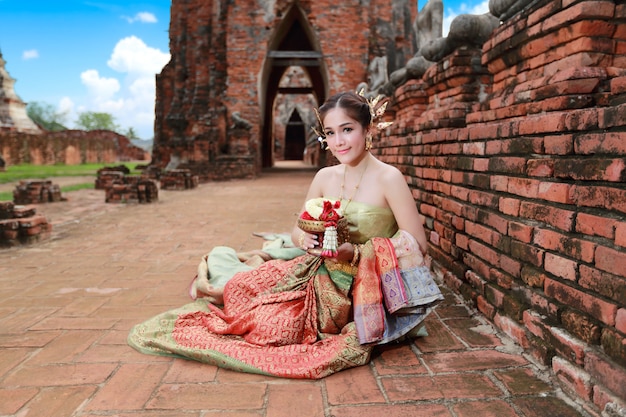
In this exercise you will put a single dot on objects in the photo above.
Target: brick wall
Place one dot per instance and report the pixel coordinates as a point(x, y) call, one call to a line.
point(68, 147)
point(516, 154)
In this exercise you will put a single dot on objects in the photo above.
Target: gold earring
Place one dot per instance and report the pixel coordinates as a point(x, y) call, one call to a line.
point(368, 141)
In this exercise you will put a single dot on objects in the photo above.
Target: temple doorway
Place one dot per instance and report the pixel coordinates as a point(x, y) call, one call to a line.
point(293, 54)
point(295, 138)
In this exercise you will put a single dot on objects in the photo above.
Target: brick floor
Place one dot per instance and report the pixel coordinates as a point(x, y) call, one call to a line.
point(66, 305)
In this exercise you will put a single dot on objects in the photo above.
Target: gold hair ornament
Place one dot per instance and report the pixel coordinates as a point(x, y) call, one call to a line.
point(321, 136)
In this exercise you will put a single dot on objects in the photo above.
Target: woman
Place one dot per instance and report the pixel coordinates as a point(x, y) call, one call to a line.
point(308, 314)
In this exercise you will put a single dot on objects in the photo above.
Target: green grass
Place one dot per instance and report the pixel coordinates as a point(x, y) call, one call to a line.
point(26, 171)
point(16, 173)
point(8, 195)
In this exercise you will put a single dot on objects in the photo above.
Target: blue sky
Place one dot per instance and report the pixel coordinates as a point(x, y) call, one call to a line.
point(102, 56)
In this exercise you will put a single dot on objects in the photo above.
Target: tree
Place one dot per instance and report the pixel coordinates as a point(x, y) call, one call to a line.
point(91, 120)
point(131, 134)
point(46, 116)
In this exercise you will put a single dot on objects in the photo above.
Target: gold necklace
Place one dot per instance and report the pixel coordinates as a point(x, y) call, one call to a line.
point(356, 187)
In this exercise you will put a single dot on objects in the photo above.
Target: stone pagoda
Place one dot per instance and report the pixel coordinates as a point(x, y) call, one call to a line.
point(13, 115)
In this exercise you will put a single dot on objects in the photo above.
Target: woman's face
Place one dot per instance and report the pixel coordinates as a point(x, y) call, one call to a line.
point(345, 136)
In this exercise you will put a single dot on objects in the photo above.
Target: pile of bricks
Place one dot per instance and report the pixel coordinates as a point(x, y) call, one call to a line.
point(178, 179)
point(21, 224)
point(36, 191)
point(108, 175)
point(132, 189)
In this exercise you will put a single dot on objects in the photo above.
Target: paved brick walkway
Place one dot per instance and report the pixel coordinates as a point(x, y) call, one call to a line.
point(66, 306)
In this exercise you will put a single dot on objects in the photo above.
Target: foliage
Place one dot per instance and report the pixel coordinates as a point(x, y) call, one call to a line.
point(46, 116)
point(90, 120)
point(131, 134)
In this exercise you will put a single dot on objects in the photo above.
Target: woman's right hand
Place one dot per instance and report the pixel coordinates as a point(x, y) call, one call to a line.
point(345, 252)
point(307, 241)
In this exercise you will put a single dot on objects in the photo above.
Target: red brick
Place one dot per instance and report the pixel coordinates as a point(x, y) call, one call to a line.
point(480, 232)
point(611, 260)
point(574, 379)
point(419, 409)
point(592, 225)
point(205, 396)
point(607, 373)
point(527, 253)
point(533, 277)
point(520, 231)
point(555, 192)
point(582, 301)
point(597, 196)
point(545, 123)
point(513, 329)
point(561, 267)
point(510, 265)
point(620, 320)
point(620, 233)
point(12, 399)
point(499, 183)
point(618, 85)
point(573, 247)
point(130, 388)
point(300, 399)
point(64, 374)
point(562, 144)
point(398, 360)
point(605, 143)
point(368, 391)
point(559, 218)
point(608, 285)
point(483, 408)
point(545, 406)
point(510, 206)
point(591, 169)
point(540, 167)
point(525, 187)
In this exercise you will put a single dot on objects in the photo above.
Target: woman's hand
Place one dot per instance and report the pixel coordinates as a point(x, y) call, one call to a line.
point(345, 252)
point(306, 240)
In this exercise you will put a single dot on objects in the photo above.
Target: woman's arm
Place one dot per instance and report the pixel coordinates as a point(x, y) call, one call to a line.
point(299, 237)
point(402, 203)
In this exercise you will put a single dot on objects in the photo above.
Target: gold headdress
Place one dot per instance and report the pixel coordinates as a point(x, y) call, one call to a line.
point(375, 112)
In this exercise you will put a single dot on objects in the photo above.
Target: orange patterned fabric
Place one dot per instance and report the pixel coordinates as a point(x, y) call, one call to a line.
point(299, 327)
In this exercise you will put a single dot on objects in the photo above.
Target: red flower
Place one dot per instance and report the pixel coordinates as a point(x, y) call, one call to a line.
point(329, 214)
point(306, 216)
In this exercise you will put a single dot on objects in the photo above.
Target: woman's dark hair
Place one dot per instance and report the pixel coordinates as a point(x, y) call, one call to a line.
point(354, 104)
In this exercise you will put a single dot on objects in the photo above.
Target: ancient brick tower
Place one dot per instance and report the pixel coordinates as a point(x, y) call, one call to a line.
point(13, 115)
point(217, 97)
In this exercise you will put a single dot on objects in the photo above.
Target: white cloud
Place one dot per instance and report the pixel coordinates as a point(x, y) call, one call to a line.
point(143, 17)
point(130, 97)
point(448, 15)
point(30, 54)
point(133, 56)
point(66, 105)
point(99, 88)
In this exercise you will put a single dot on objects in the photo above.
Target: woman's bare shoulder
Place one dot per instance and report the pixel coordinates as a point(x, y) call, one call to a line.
point(324, 178)
point(326, 173)
point(389, 174)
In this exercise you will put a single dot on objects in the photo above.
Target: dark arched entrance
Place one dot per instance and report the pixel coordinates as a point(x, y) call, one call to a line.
point(293, 44)
point(295, 137)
